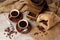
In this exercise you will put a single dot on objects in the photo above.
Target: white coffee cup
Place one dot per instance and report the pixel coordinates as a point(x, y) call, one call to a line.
point(23, 24)
point(14, 11)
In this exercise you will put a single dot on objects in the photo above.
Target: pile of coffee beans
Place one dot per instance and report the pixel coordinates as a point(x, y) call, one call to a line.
point(9, 31)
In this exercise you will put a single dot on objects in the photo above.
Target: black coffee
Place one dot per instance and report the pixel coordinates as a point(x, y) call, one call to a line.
point(22, 24)
point(14, 13)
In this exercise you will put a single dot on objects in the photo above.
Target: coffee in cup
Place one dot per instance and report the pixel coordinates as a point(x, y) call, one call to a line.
point(15, 15)
point(23, 26)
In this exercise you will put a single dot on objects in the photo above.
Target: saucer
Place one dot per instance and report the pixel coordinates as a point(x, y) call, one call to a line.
point(16, 19)
point(22, 30)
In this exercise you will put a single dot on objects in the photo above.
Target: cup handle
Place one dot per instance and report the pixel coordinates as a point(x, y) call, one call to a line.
point(25, 30)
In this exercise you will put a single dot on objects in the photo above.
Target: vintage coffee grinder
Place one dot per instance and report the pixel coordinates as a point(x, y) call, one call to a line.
point(35, 7)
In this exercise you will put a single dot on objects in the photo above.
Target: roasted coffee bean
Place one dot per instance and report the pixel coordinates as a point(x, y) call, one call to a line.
point(44, 22)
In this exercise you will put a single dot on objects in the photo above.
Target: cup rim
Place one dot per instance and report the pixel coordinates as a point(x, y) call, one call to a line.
point(12, 11)
point(25, 21)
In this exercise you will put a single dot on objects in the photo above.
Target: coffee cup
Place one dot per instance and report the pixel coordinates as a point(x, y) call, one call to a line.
point(15, 15)
point(23, 26)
